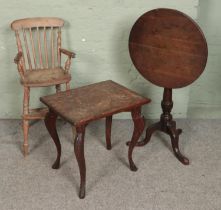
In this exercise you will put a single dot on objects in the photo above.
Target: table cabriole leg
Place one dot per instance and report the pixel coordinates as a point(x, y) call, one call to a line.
point(138, 130)
point(108, 132)
point(79, 153)
point(50, 123)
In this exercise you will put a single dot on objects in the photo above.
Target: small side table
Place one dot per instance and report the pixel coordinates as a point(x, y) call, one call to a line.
point(92, 102)
point(169, 49)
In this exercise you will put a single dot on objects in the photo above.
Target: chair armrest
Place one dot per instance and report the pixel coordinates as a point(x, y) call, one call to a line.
point(18, 57)
point(68, 53)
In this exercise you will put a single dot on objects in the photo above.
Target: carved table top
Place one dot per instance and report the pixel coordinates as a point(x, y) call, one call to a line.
point(82, 105)
point(168, 48)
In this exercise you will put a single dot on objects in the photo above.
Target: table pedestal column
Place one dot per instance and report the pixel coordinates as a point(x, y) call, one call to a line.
point(166, 125)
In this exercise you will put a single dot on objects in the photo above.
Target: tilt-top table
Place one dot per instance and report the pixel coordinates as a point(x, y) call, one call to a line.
point(168, 49)
point(92, 102)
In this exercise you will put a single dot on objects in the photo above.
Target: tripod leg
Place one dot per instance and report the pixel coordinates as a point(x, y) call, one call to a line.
point(150, 130)
point(174, 135)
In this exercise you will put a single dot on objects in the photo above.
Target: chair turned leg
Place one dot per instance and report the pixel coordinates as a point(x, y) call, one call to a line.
point(68, 86)
point(108, 132)
point(25, 122)
point(79, 153)
point(25, 132)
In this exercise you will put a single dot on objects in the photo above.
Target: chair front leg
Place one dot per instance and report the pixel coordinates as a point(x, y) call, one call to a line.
point(68, 86)
point(25, 121)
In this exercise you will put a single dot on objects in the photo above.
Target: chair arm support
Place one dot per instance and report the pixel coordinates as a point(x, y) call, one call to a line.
point(17, 60)
point(18, 57)
point(68, 61)
point(68, 53)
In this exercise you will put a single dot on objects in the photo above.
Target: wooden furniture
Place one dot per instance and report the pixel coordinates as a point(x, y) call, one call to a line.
point(168, 48)
point(85, 104)
point(39, 62)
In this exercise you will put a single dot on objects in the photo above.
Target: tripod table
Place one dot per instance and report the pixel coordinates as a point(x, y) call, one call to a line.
point(168, 49)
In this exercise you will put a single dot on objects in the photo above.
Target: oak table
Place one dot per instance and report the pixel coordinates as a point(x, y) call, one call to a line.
point(168, 49)
point(88, 103)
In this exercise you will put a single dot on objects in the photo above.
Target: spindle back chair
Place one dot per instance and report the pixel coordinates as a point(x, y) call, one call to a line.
point(39, 61)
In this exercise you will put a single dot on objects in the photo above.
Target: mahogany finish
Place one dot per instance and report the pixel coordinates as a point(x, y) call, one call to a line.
point(39, 62)
point(169, 49)
point(92, 102)
point(50, 123)
point(108, 132)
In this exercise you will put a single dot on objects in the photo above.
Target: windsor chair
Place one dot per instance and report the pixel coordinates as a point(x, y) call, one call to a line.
point(39, 62)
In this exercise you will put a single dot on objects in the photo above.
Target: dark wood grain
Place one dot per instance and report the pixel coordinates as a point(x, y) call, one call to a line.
point(79, 153)
point(50, 123)
point(168, 126)
point(108, 132)
point(138, 130)
point(85, 104)
point(168, 48)
point(82, 105)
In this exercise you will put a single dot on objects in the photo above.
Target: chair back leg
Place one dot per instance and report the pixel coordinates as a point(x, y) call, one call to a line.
point(25, 121)
point(25, 132)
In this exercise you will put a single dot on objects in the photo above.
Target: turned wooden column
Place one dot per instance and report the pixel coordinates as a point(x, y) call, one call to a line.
point(167, 105)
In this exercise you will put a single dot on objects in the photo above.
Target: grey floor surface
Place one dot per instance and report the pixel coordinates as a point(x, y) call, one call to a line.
point(161, 182)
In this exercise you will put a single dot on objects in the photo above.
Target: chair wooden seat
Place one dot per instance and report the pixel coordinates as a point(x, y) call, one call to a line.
point(45, 77)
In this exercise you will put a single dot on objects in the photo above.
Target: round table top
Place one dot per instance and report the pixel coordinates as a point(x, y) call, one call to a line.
point(168, 48)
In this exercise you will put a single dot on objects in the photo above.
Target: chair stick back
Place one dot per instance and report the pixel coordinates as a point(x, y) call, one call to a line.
point(39, 39)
